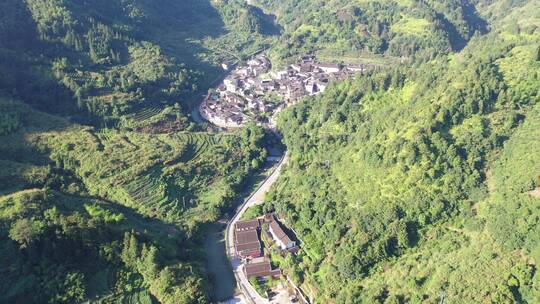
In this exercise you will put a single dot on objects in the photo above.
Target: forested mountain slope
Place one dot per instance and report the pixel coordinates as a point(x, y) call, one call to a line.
point(109, 215)
point(103, 196)
point(355, 30)
point(68, 249)
point(419, 183)
point(404, 184)
point(105, 61)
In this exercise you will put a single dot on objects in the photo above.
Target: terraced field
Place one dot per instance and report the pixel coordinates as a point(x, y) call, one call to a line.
point(141, 117)
point(199, 143)
point(104, 134)
point(151, 173)
point(146, 113)
point(148, 191)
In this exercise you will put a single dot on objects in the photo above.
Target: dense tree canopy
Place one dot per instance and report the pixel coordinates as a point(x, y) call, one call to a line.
point(104, 193)
point(344, 29)
point(400, 179)
point(411, 182)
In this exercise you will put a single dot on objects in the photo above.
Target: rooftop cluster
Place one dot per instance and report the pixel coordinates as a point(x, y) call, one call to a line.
point(248, 245)
point(254, 93)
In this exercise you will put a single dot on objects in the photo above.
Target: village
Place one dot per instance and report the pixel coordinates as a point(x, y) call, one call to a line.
point(255, 242)
point(255, 93)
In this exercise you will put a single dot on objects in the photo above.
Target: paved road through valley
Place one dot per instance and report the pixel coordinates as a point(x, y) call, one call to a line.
point(255, 198)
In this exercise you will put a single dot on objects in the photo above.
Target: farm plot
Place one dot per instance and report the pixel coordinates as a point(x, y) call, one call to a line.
point(199, 143)
point(148, 192)
point(105, 134)
point(146, 113)
point(142, 117)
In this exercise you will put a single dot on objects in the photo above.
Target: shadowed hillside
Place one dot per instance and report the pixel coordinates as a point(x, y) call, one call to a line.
point(101, 61)
point(103, 194)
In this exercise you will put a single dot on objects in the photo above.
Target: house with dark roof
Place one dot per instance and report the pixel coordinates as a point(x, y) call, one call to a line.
point(233, 104)
point(246, 239)
point(248, 244)
point(247, 225)
point(260, 268)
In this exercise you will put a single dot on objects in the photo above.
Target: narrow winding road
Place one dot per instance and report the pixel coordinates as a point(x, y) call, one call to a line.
point(255, 198)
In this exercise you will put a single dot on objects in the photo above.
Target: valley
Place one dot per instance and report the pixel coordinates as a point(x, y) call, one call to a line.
point(269, 151)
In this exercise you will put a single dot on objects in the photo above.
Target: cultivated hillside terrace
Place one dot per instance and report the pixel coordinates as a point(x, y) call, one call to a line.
point(255, 93)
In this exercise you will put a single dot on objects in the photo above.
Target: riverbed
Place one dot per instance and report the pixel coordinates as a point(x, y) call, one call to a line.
point(217, 264)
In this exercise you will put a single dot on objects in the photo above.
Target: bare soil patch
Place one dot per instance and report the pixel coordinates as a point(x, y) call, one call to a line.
point(163, 127)
point(535, 193)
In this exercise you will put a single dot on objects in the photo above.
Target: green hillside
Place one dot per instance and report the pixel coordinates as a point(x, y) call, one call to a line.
point(101, 61)
point(105, 183)
point(421, 182)
point(357, 30)
point(67, 249)
point(412, 183)
point(72, 190)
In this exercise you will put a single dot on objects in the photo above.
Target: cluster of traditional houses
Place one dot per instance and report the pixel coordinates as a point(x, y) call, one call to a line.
point(248, 245)
point(243, 95)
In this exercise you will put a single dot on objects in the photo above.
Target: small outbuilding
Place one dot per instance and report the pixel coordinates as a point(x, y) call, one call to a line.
point(261, 268)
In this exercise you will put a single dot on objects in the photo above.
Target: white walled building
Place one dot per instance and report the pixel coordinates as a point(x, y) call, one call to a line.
point(280, 236)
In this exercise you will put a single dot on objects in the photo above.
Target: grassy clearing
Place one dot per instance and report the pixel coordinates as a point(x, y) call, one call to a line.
point(411, 26)
point(355, 57)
